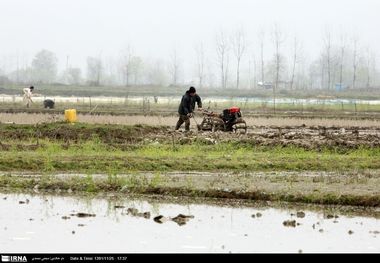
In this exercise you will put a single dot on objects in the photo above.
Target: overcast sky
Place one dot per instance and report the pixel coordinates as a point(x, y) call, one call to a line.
point(80, 28)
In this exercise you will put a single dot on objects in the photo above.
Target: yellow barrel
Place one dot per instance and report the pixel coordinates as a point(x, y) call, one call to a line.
point(71, 115)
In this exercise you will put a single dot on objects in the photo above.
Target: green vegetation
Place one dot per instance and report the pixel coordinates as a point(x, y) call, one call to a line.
point(145, 155)
point(98, 148)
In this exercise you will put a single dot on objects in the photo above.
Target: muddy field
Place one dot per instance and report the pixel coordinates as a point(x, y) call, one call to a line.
point(350, 153)
point(119, 136)
point(28, 118)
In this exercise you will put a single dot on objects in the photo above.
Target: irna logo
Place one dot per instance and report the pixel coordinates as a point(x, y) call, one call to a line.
point(13, 259)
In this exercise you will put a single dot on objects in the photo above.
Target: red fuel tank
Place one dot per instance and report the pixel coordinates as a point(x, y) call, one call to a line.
point(234, 109)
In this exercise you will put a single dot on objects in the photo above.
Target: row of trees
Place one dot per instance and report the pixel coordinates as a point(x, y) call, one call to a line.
point(273, 60)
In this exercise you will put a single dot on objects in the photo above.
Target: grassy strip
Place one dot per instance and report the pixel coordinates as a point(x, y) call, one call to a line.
point(89, 148)
point(94, 156)
point(337, 190)
point(61, 131)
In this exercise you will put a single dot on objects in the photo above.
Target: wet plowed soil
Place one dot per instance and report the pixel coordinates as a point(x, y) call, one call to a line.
point(124, 137)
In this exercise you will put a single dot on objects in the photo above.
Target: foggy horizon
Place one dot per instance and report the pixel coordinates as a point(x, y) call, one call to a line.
point(76, 30)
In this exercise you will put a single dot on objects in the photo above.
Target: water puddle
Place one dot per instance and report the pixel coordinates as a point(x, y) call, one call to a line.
point(105, 224)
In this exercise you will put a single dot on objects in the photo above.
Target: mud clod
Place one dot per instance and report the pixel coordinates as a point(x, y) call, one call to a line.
point(300, 214)
point(135, 212)
point(160, 219)
point(83, 215)
point(146, 215)
point(289, 223)
point(132, 211)
point(182, 219)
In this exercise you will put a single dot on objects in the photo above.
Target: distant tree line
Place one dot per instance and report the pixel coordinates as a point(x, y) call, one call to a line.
point(269, 60)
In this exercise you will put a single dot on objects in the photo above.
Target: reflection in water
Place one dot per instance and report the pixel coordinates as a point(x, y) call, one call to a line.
point(39, 226)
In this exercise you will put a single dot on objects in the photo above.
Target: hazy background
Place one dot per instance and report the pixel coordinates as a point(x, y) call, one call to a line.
point(76, 29)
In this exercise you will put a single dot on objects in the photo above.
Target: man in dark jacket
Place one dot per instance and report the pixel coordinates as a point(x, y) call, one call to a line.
point(186, 108)
point(196, 99)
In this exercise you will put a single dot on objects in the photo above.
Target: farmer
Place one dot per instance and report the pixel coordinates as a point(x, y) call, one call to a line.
point(28, 95)
point(186, 108)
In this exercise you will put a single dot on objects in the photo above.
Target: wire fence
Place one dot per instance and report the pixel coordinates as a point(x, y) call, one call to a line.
point(154, 104)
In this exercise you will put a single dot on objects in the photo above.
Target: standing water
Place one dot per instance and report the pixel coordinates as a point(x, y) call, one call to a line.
point(60, 223)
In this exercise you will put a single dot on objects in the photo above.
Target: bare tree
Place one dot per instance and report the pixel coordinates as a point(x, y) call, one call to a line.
point(342, 53)
point(368, 62)
point(374, 68)
point(295, 60)
point(250, 71)
point(136, 64)
point(322, 68)
point(126, 64)
point(355, 60)
point(74, 76)
point(278, 40)
point(156, 74)
point(238, 45)
point(94, 70)
point(44, 65)
point(222, 49)
point(261, 39)
point(174, 66)
point(200, 53)
point(327, 45)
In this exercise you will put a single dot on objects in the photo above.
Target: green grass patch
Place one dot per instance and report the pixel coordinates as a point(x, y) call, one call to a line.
point(95, 156)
